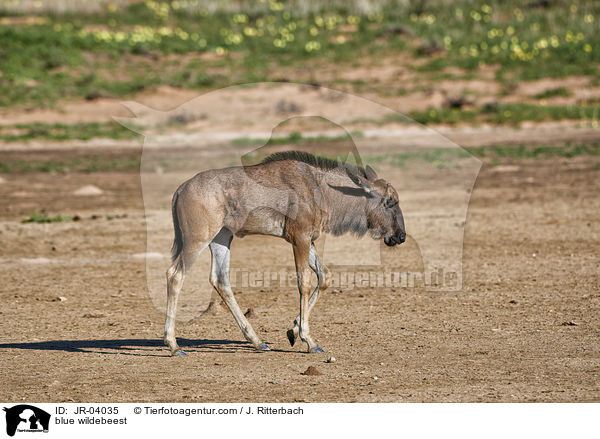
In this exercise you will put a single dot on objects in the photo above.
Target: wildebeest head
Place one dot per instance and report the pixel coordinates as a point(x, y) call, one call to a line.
point(385, 218)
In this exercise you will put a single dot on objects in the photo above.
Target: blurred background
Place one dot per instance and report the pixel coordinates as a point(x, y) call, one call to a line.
point(440, 62)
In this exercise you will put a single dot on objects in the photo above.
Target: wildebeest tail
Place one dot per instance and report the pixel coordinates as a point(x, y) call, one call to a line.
point(178, 239)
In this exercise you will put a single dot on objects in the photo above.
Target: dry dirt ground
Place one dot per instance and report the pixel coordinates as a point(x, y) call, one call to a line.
point(77, 322)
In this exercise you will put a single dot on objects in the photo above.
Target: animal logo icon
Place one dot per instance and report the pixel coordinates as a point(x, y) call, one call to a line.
point(26, 417)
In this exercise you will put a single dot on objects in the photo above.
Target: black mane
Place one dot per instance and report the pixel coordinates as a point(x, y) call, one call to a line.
point(320, 162)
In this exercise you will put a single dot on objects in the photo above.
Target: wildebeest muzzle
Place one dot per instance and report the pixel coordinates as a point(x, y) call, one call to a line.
point(398, 238)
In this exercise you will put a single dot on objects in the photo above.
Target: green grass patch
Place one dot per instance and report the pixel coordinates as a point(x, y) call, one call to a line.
point(117, 52)
point(77, 164)
point(42, 218)
point(559, 91)
point(441, 158)
point(60, 132)
point(294, 138)
point(443, 115)
point(496, 113)
point(493, 155)
point(500, 114)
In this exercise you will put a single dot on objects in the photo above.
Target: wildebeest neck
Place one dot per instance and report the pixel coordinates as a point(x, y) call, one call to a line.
point(347, 206)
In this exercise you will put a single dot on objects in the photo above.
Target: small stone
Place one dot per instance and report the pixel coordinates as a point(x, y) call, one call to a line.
point(249, 314)
point(88, 190)
point(312, 371)
point(93, 316)
point(331, 360)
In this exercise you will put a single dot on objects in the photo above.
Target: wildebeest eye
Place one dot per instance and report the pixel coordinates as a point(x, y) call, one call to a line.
point(390, 202)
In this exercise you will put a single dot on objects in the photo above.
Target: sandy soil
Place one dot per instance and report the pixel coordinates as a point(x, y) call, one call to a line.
point(77, 322)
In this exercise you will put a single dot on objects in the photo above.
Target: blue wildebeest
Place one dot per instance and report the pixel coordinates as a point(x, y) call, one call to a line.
point(293, 195)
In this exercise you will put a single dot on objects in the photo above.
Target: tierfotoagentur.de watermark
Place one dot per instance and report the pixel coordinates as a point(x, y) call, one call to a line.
point(346, 278)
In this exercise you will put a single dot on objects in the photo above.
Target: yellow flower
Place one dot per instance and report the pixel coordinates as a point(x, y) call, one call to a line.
point(275, 6)
point(312, 45)
point(240, 18)
point(120, 36)
point(587, 48)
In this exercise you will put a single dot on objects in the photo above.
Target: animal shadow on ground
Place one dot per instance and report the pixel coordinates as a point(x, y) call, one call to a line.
point(136, 347)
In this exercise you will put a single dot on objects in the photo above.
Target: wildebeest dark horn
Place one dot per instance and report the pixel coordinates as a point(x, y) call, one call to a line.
point(359, 181)
point(370, 173)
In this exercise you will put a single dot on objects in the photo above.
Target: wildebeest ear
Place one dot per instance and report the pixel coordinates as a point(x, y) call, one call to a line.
point(359, 181)
point(370, 173)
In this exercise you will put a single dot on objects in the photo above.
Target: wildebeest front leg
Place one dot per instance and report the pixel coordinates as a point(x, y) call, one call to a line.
point(219, 278)
point(320, 270)
point(301, 257)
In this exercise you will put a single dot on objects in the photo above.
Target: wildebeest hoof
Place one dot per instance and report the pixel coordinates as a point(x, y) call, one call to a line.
point(316, 350)
point(263, 347)
point(179, 353)
point(291, 337)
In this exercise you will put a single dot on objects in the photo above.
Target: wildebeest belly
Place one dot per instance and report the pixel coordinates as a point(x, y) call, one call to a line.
point(262, 221)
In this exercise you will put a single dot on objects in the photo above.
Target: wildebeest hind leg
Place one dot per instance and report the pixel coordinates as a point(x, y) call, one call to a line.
point(219, 278)
point(175, 278)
